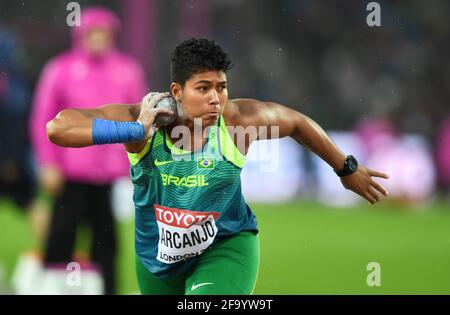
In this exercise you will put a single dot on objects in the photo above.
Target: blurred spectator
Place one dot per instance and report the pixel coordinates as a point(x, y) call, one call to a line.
point(17, 179)
point(375, 133)
point(443, 154)
point(92, 73)
point(405, 157)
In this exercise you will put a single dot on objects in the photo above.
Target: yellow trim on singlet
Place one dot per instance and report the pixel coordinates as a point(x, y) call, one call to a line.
point(228, 148)
point(134, 158)
point(157, 139)
point(173, 149)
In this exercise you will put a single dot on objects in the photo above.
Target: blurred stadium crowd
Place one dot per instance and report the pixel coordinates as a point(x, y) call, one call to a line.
point(318, 57)
point(381, 92)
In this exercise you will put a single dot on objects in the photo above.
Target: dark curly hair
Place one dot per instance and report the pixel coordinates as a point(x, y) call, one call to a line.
point(197, 55)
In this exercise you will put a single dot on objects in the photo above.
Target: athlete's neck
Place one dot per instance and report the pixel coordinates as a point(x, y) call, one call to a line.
point(187, 134)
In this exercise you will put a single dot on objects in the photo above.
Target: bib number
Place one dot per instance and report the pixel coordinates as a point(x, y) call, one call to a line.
point(183, 233)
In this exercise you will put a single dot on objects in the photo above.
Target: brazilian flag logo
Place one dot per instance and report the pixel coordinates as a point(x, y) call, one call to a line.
point(205, 163)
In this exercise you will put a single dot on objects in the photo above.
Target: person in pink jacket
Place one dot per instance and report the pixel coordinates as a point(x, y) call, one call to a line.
point(443, 155)
point(92, 73)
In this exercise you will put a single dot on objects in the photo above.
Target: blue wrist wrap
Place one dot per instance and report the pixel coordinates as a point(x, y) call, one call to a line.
point(108, 131)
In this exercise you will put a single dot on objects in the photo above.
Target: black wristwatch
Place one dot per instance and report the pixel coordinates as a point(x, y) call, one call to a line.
point(350, 166)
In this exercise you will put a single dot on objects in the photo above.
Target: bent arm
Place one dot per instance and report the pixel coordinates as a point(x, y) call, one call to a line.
point(309, 134)
point(73, 127)
point(282, 121)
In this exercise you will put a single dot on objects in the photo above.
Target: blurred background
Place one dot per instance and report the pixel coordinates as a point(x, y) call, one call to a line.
point(381, 92)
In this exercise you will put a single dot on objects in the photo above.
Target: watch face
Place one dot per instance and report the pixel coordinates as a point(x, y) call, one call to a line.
point(352, 164)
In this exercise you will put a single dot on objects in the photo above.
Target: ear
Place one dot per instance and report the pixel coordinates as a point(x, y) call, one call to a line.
point(177, 91)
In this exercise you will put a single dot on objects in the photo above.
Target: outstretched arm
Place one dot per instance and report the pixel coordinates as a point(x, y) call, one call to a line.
point(309, 134)
point(74, 127)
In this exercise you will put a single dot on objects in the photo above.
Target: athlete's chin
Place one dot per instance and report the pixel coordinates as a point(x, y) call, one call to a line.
point(210, 119)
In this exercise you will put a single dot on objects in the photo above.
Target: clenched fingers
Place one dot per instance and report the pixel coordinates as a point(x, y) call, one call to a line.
point(151, 99)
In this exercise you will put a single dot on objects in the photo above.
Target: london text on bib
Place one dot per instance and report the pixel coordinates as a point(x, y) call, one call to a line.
point(183, 233)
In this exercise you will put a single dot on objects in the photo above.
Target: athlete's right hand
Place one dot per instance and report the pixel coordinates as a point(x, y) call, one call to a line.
point(148, 111)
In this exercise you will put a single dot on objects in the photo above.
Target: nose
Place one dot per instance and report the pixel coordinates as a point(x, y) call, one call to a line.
point(214, 98)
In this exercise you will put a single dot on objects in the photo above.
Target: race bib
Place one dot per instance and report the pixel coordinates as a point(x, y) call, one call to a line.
point(183, 233)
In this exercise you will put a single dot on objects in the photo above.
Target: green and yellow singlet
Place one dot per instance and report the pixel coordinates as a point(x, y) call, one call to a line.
point(185, 201)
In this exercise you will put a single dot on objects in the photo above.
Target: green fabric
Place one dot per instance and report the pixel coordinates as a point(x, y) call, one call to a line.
point(229, 267)
point(227, 146)
point(205, 181)
point(173, 148)
point(184, 183)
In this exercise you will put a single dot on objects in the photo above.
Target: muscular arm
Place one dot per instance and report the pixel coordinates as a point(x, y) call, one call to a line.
point(73, 127)
point(308, 133)
point(289, 123)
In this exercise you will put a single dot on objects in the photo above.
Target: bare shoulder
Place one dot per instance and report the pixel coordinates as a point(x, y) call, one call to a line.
point(254, 113)
point(247, 112)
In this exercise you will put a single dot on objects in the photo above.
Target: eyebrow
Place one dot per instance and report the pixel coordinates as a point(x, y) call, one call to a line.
point(209, 82)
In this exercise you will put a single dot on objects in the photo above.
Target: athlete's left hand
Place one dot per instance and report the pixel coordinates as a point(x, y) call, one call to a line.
point(362, 183)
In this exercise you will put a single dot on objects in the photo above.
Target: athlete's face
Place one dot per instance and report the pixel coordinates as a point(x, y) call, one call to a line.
point(203, 96)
